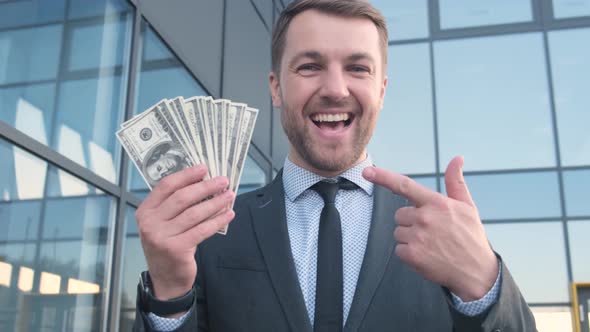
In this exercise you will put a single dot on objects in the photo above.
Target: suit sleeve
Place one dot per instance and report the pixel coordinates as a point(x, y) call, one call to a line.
point(509, 313)
point(198, 309)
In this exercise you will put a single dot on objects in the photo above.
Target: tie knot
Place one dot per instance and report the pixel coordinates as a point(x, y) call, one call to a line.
point(329, 188)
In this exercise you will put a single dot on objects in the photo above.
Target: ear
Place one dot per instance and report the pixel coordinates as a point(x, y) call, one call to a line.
point(382, 91)
point(275, 89)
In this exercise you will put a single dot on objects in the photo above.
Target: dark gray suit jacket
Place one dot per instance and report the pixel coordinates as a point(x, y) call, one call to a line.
point(246, 280)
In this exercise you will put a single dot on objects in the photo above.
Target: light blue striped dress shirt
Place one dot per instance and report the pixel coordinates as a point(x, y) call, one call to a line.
point(303, 207)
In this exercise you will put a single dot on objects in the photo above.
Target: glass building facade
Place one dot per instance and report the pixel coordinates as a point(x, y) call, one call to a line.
point(504, 83)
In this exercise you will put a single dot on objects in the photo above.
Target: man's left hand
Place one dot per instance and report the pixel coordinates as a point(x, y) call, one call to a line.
point(442, 237)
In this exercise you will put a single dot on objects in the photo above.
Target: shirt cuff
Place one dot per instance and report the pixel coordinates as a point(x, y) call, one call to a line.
point(474, 308)
point(166, 324)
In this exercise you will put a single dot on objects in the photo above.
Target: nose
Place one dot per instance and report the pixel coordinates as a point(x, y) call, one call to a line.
point(334, 84)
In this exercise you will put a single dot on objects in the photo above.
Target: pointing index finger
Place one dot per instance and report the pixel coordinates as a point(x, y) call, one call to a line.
point(401, 185)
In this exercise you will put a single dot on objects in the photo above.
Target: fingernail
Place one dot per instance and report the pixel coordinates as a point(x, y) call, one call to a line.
point(369, 173)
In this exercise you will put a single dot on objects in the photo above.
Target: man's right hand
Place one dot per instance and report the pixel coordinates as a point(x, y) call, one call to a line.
point(174, 219)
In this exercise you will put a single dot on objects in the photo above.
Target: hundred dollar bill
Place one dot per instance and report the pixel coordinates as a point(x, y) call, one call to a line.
point(248, 119)
point(153, 148)
point(197, 123)
point(181, 114)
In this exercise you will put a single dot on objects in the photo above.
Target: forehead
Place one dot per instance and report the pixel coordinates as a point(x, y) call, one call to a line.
point(331, 35)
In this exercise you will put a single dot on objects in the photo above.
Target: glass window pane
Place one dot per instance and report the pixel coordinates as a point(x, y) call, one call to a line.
point(83, 8)
point(20, 59)
point(500, 196)
point(88, 51)
point(472, 13)
point(405, 19)
point(493, 102)
point(570, 67)
point(579, 234)
point(407, 114)
point(253, 176)
point(19, 13)
point(535, 255)
point(571, 8)
point(577, 192)
point(47, 96)
point(133, 263)
point(428, 182)
point(52, 248)
point(553, 319)
point(150, 87)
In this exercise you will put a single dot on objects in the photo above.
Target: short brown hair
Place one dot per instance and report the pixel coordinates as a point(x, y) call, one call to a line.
point(344, 8)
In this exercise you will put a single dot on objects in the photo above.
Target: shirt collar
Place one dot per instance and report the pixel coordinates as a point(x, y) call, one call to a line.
point(297, 179)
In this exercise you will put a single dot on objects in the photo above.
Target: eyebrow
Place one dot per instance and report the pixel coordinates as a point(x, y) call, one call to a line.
point(315, 55)
point(360, 56)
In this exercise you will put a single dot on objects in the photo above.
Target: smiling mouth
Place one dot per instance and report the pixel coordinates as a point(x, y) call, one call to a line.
point(332, 120)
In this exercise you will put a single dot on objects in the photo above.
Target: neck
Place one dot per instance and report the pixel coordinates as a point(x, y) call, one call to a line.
point(297, 160)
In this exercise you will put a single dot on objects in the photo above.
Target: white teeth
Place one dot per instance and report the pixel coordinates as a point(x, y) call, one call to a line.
point(319, 117)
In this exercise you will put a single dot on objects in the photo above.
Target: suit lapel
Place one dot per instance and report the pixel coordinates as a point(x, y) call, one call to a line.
point(270, 227)
point(380, 246)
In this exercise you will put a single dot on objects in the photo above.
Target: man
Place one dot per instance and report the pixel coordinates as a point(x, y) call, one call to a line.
point(390, 256)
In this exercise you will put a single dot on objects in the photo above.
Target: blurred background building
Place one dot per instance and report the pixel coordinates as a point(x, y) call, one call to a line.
point(504, 83)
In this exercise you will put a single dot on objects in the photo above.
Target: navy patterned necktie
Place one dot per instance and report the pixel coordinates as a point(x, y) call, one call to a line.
point(329, 283)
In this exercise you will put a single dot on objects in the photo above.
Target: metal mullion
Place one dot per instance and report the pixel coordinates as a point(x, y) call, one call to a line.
point(42, 151)
point(551, 304)
point(223, 39)
point(260, 16)
point(24, 84)
point(112, 312)
point(557, 151)
point(43, 204)
point(520, 220)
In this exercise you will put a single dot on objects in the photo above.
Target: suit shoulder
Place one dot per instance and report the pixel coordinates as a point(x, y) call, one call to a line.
point(248, 197)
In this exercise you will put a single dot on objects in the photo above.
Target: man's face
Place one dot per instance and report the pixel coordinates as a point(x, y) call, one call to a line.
point(330, 90)
point(166, 164)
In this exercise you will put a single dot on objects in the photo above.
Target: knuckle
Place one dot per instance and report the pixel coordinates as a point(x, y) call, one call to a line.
point(182, 198)
point(423, 219)
point(404, 185)
point(166, 184)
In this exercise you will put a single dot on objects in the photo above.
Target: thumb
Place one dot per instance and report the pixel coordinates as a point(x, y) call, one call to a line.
point(455, 182)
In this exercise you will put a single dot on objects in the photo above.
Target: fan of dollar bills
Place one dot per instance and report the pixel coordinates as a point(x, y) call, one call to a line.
point(179, 133)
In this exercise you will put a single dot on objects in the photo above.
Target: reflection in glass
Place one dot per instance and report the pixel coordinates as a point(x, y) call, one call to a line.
point(404, 137)
point(493, 104)
point(577, 192)
point(52, 249)
point(517, 195)
point(579, 236)
point(570, 67)
point(472, 13)
point(70, 96)
point(550, 319)
point(405, 19)
point(535, 255)
point(571, 8)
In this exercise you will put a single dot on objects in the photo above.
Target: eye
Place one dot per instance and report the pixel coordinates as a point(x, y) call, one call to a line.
point(359, 69)
point(308, 67)
point(159, 168)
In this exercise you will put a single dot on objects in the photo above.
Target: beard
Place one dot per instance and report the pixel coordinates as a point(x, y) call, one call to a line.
point(330, 157)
